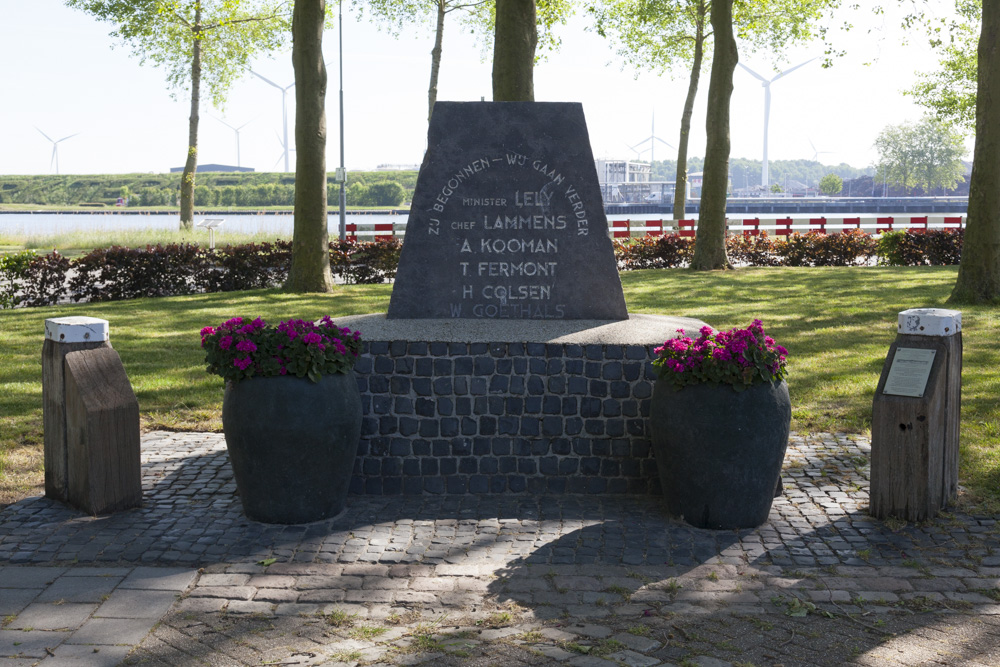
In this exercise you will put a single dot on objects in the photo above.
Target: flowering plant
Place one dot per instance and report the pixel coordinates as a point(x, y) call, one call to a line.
point(739, 357)
point(241, 348)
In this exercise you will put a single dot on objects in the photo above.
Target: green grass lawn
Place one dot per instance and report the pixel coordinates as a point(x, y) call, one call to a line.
point(837, 324)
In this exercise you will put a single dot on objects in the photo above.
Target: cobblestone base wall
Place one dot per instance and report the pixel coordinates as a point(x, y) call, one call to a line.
point(457, 418)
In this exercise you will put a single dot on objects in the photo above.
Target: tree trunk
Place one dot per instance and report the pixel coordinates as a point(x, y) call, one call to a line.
point(979, 273)
point(310, 270)
point(680, 188)
point(710, 242)
point(191, 163)
point(514, 51)
point(432, 92)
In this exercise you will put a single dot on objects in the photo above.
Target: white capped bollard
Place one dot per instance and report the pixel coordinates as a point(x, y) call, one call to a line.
point(916, 416)
point(90, 418)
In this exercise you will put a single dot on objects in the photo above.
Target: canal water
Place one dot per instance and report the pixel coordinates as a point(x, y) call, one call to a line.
point(267, 224)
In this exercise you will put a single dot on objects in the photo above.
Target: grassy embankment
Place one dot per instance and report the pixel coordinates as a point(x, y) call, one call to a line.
point(837, 323)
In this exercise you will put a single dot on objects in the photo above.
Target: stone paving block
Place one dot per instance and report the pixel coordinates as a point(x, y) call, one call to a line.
point(708, 661)
point(283, 595)
point(580, 583)
point(79, 589)
point(587, 612)
point(135, 603)
point(13, 600)
point(316, 595)
point(220, 580)
point(227, 592)
point(116, 631)
point(298, 609)
point(590, 661)
point(414, 597)
point(18, 662)
point(17, 576)
point(48, 616)
point(270, 581)
point(385, 583)
point(637, 642)
point(368, 596)
point(433, 583)
point(201, 605)
point(160, 578)
point(90, 571)
point(589, 630)
point(29, 644)
point(251, 607)
point(76, 655)
point(553, 652)
point(633, 659)
point(936, 584)
point(326, 581)
point(366, 569)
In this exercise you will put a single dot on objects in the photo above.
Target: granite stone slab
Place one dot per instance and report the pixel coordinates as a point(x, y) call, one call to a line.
point(507, 220)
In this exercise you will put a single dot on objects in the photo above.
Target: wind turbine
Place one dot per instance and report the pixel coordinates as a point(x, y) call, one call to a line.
point(237, 131)
point(284, 113)
point(816, 152)
point(766, 83)
point(55, 147)
point(652, 139)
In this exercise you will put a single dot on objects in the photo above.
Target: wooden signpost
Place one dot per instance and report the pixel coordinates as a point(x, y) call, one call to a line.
point(91, 419)
point(915, 417)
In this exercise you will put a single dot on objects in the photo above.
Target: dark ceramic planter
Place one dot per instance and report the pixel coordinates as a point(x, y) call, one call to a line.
point(292, 443)
point(719, 451)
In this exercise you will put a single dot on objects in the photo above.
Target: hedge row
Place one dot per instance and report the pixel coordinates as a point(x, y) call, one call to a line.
point(115, 273)
point(110, 274)
point(852, 248)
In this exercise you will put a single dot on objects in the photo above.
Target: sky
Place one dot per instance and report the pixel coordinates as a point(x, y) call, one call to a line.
point(64, 75)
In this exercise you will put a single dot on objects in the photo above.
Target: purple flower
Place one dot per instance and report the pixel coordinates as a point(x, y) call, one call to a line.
point(243, 363)
point(225, 342)
point(246, 346)
point(312, 339)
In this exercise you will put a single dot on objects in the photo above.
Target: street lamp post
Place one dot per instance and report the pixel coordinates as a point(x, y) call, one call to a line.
point(342, 172)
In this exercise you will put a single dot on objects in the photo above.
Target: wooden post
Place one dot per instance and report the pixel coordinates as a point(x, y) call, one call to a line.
point(102, 433)
point(91, 419)
point(62, 336)
point(916, 415)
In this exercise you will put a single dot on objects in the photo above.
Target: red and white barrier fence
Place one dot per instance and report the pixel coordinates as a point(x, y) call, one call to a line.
point(773, 226)
point(784, 226)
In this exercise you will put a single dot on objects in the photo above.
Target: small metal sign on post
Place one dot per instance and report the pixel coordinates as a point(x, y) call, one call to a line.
point(915, 417)
point(211, 224)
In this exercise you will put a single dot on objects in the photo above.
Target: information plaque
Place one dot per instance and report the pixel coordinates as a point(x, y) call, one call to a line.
point(909, 372)
point(507, 220)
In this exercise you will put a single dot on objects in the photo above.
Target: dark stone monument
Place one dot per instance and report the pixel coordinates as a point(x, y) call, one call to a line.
point(507, 220)
point(507, 362)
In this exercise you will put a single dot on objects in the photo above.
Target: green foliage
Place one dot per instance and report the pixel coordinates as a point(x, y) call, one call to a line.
point(776, 188)
point(950, 91)
point(927, 154)
point(232, 34)
point(831, 184)
point(215, 189)
point(931, 248)
point(746, 172)
point(387, 193)
point(649, 252)
point(13, 270)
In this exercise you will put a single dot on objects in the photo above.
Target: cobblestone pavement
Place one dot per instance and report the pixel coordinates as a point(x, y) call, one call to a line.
point(513, 580)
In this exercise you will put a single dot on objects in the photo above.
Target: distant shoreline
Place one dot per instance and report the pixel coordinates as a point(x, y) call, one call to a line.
point(119, 210)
